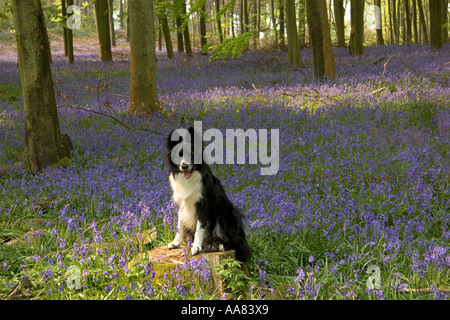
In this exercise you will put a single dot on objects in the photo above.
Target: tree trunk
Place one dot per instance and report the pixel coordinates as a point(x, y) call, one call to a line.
point(43, 140)
point(187, 38)
point(203, 28)
point(69, 34)
point(423, 24)
point(444, 21)
point(301, 23)
point(294, 56)
point(167, 38)
point(394, 21)
point(111, 22)
point(314, 16)
point(274, 21)
point(178, 23)
point(435, 24)
point(121, 15)
point(101, 13)
point(330, 68)
point(407, 17)
point(281, 20)
point(357, 25)
point(245, 12)
point(143, 95)
point(219, 24)
point(64, 14)
point(128, 20)
point(339, 12)
point(380, 40)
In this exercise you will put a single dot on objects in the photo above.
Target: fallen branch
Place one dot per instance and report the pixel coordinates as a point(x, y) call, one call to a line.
point(440, 68)
point(20, 290)
point(425, 290)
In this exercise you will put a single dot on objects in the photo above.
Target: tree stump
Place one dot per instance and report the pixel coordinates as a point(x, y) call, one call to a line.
point(162, 261)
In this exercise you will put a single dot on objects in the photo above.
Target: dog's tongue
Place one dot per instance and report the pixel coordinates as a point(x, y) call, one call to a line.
point(186, 174)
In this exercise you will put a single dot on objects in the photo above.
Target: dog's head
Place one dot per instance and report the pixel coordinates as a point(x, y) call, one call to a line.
point(180, 151)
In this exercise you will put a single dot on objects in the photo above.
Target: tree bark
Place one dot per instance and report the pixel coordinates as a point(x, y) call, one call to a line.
point(43, 139)
point(339, 17)
point(274, 21)
point(281, 24)
point(357, 25)
point(111, 22)
point(302, 23)
point(407, 18)
point(330, 68)
point(203, 28)
point(380, 40)
point(314, 16)
point(294, 55)
point(101, 13)
point(69, 34)
point(143, 95)
point(219, 24)
point(187, 38)
point(435, 24)
point(167, 38)
point(423, 24)
point(444, 21)
point(394, 21)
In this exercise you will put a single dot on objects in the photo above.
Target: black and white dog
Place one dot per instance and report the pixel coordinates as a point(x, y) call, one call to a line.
point(206, 216)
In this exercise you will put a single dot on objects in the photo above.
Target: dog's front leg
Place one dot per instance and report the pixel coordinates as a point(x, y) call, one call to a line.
point(200, 235)
point(179, 237)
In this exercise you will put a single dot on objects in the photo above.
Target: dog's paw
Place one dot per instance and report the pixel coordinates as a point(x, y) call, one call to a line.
point(173, 245)
point(196, 250)
point(221, 248)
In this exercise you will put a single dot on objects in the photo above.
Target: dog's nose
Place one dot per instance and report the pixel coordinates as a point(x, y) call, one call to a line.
point(184, 166)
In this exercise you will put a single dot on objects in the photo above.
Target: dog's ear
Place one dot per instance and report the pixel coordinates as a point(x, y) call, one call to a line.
point(169, 143)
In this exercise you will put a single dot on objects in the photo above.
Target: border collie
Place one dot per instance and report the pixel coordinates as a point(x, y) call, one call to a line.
point(206, 216)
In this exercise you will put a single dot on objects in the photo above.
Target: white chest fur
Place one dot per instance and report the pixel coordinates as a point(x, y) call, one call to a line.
point(186, 193)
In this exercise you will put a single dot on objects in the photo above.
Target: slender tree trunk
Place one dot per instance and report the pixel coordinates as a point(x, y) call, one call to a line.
point(187, 38)
point(64, 14)
point(166, 33)
point(444, 21)
point(143, 94)
point(294, 55)
point(219, 24)
point(274, 21)
point(357, 25)
point(44, 144)
point(203, 28)
point(330, 68)
point(101, 12)
point(246, 20)
point(315, 37)
point(414, 21)
point(178, 22)
point(423, 24)
point(121, 15)
point(301, 23)
point(394, 21)
point(339, 17)
point(281, 19)
point(111, 22)
point(407, 18)
point(69, 34)
point(435, 24)
point(380, 40)
point(128, 20)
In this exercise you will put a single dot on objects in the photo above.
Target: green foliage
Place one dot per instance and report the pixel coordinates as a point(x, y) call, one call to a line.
point(232, 274)
point(231, 47)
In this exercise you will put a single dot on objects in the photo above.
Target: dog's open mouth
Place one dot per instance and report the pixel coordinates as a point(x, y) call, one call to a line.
point(186, 174)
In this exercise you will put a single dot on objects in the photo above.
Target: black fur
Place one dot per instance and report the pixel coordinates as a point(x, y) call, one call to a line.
point(213, 207)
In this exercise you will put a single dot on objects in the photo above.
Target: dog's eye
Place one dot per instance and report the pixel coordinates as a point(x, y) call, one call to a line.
point(181, 153)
